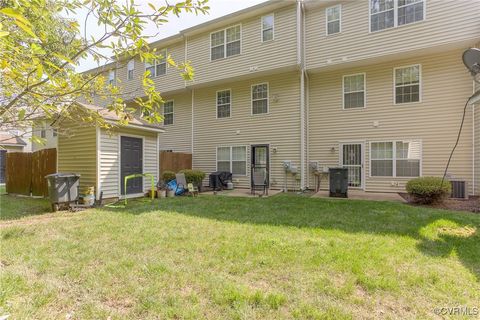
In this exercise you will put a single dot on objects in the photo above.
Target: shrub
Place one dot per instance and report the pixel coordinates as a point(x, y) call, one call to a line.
point(168, 176)
point(193, 176)
point(428, 190)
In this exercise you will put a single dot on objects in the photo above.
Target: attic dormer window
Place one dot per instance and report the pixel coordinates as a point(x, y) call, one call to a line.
point(111, 77)
point(225, 43)
point(130, 68)
point(267, 27)
point(385, 14)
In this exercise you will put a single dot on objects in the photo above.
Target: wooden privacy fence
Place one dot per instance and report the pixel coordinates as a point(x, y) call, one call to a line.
point(26, 171)
point(18, 170)
point(175, 161)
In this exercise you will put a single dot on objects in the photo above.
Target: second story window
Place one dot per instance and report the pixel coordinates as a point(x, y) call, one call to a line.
point(410, 11)
point(223, 103)
point(333, 16)
point(268, 22)
point(43, 133)
point(111, 77)
point(168, 113)
point(130, 68)
point(260, 98)
point(54, 132)
point(225, 43)
point(407, 84)
point(354, 91)
point(386, 14)
point(159, 66)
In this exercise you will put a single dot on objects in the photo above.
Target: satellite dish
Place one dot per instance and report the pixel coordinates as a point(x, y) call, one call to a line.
point(471, 59)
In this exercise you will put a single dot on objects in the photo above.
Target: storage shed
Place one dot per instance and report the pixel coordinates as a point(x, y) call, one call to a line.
point(103, 157)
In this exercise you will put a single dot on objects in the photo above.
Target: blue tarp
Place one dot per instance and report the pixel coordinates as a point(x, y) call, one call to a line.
point(172, 185)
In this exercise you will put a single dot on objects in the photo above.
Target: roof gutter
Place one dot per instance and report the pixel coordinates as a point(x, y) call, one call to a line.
point(134, 126)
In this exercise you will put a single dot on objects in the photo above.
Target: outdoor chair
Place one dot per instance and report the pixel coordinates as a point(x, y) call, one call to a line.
point(181, 181)
point(259, 181)
point(192, 189)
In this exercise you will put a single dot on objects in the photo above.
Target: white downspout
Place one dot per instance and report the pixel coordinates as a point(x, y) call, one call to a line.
point(99, 162)
point(302, 92)
point(193, 127)
point(307, 99)
point(473, 142)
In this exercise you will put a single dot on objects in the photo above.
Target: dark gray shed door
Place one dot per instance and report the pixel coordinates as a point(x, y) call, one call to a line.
point(131, 157)
point(3, 160)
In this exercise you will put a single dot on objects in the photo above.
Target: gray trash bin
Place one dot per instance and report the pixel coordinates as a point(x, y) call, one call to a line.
point(338, 182)
point(62, 188)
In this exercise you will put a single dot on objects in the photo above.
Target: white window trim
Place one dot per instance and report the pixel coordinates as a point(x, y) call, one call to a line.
point(394, 158)
point(395, 17)
point(231, 159)
point(273, 27)
point(364, 91)
point(216, 103)
point(225, 42)
point(155, 63)
point(268, 99)
point(132, 62)
point(420, 83)
point(173, 113)
point(339, 19)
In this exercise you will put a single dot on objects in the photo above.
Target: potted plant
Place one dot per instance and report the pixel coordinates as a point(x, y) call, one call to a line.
point(170, 191)
point(161, 189)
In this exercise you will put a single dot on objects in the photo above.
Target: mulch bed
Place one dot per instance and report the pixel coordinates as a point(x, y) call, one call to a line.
point(471, 204)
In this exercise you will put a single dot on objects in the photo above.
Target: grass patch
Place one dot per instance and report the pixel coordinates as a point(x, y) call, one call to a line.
point(241, 258)
point(18, 207)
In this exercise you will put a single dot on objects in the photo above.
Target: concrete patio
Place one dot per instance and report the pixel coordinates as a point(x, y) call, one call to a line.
point(362, 195)
point(242, 193)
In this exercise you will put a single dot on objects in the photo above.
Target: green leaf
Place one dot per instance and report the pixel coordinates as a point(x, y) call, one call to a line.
point(21, 114)
point(62, 57)
point(4, 33)
point(39, 71)
point(25, 28)
point(16, 15)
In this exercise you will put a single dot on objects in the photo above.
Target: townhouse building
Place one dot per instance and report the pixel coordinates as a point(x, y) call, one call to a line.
point(377, 86)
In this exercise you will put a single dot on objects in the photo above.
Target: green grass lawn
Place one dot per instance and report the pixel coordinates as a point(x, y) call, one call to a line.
point(237, 258)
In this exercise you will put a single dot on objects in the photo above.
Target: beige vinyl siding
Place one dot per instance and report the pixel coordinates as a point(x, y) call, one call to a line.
point(110, 159)
point(477, 148)
point(77, 152)
point(171, 81)
point(178, 136)
point(11, 148)
point(446, 22)
point(434, 121)
point(263, 56)
point(279, 128)
point(50, 142)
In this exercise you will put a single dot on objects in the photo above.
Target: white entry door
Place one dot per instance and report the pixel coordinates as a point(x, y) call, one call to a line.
point(351, 157)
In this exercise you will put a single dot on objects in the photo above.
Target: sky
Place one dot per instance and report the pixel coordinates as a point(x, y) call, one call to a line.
point(218, 8)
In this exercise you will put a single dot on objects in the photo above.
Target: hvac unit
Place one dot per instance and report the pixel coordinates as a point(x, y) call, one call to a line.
point(459, 189)
point(338, 178)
